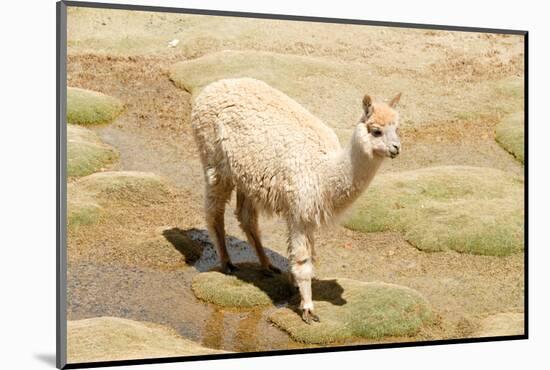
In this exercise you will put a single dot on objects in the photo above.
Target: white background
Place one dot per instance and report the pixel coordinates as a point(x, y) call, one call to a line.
point(27, 144)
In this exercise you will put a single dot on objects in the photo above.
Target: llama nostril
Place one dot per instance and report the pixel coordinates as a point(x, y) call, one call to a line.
point(396, 148)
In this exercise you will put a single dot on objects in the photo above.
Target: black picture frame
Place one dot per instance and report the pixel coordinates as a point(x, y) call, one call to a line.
point(61, 185)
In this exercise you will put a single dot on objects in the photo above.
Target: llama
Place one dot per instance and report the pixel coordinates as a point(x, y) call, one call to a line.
point(282, 160)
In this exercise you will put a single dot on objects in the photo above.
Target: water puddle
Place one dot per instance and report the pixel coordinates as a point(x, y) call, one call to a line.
point(239, 252)
point(165, 297)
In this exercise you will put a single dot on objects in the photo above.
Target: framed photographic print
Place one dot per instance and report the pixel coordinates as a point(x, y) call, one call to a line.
point(236, 184)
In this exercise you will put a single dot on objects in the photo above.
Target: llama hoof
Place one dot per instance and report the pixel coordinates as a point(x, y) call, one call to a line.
point(229, 268)
point(309, 317)
point(271, 271)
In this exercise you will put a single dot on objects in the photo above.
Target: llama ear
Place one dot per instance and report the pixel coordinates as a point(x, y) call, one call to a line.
point(395, 100)
point(367, 106)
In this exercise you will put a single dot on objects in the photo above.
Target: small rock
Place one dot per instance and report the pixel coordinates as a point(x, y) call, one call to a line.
point(173, 43)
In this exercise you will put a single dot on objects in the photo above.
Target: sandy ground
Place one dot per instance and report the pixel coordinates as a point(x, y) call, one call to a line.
point(128, 57)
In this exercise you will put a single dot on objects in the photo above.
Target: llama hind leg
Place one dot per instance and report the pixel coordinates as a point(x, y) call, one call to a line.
point(216, 199)
point(247, 215)
point(301, 268)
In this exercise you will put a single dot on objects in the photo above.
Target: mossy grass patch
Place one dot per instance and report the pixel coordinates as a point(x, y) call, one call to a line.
point(304, 79)
point(512, 86)
point(113, 338)
point(125, 187)
point(86, 152)
point(279, 70)
point(90, 196)
point(510, 134)
point(81, 208)
point(467, 209)
point(86, 107)
point(248, 287)
point(351, 309)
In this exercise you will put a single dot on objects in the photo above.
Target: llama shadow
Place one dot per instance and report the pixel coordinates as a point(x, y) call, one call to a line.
point(195, 242)
point(322, 290)
point(329, 291)
point(183, 244)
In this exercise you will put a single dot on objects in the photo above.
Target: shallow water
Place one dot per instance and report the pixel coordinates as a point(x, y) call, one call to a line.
point(165, 297)
point(239, 252)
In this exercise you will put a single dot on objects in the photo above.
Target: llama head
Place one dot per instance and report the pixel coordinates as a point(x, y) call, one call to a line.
point(379, 127)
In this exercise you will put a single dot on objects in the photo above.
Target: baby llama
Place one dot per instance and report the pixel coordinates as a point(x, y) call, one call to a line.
point(281, 159)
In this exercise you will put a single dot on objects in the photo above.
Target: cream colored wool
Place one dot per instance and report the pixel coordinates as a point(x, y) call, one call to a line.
point(281, 159)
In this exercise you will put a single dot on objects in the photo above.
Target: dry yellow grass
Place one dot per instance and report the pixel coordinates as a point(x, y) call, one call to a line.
point(120, 33)
point(467, 209)
point(353, 309)
point(501, 324)
point(168, 248)
point(113, 338)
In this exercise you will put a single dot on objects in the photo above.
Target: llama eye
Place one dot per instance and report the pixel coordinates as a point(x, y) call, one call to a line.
point(376, 132)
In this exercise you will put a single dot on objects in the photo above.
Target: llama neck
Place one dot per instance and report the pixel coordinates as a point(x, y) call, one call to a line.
point(349, 172)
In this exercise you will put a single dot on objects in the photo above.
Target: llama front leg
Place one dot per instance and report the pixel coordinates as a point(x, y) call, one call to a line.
point(301, 268)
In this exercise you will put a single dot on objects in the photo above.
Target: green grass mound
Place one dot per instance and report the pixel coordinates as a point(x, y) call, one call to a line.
point(510, 134)
point(467, 209)
point(90, 196)
point(125, 187)
point(81, 208)
point(86, 152)
point(328, 88)
point(113, 338)
point(279, 70)
point(248, 287)
point(351, 309)
point(85, 107)
point(511, 86)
